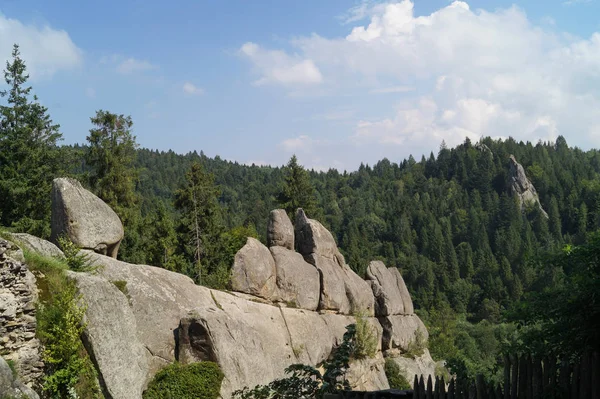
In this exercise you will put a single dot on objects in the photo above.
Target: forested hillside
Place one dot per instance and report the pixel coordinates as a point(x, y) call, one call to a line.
point(465, 247)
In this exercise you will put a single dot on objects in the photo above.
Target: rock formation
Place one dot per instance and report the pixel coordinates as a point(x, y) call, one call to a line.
point(280, 231)
point(293, 308)
point(11, 386)
point(253, 270)
point(522, 187)
point(18, 294)
point(84, 218)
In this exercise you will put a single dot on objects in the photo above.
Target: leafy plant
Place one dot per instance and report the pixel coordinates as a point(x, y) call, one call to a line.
point(366, 337)
point(304, 382)
point(76, 260)
point(417, 346)
point(177, 381)
point(395, 375)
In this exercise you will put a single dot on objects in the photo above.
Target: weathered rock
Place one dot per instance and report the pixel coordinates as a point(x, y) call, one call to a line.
point(110, 337)
point(522, 187)
point(388, 300)
point(422, 365)
point(280, 231)
point(11, 386)
point(401, 331)
point(84, 218)
point(297, 281)
point(342, 290)
point(406, 299)
point(252, 342)
point(368, 374)
point(253, 270)
point(38, 245)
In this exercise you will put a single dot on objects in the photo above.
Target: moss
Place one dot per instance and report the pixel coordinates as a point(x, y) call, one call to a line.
point(395, 375)
point(12, 366)
point(298, 349)
point(121, 285)
point(215, 301)
point(176, 381)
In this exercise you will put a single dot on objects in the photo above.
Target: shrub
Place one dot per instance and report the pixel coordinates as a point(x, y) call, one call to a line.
point(75, 259)
point(416, 347)
point(176, 381)
point(69, 370)
point(366, 338)
point(395, 375)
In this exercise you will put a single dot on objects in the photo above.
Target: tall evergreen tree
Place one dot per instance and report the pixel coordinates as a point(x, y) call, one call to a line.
point(201, 221)
point(29, 156)
point(297, 191)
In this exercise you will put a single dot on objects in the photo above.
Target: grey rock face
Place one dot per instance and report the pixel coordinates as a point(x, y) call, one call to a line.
point(404, 294)
point(111, 338)
point(253, 270)
point(87, 220)
point(342, 290)
point(280, 231)
point(368, 374)
point(422, 365)
point(388, 300)
point(297, 280)
point(522, 187)
point(401, 330)
point(11, 386)
point(35, 244)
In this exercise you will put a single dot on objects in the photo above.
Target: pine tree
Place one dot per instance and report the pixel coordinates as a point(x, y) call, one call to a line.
point(29, 156)
point(201, 221)
point(297, 191)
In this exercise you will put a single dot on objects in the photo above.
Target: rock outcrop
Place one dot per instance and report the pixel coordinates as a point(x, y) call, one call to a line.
point(11, 386)
point(84, 218)
point(297, 281)
point(401, 331)
point(421, 365)
point(522, 187)
point(18, 295)
point(280, 231)
point(253, 270)
point(35, 244)
point(342, 290)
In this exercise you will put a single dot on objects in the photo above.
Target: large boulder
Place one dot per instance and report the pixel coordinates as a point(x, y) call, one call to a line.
point(84, 218)
point(11, 386)
point(402, 332)
point(253, 270)
point(406, 299)
point(280, 231)
point(342, 290)
point(422, 365)
point(388, 300)
point(297, 281)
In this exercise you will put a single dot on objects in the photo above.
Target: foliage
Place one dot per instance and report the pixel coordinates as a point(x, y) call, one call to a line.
point(563, 316)
point(200, 224)
point(12, 366)
point(417, 346)
point(395, 375)
point(366, 337)
point(177, 381)
point(60, 325)
point(297, 191)
point(121, 286)
point(76, 260)
point(304, 382)
point(29, 155)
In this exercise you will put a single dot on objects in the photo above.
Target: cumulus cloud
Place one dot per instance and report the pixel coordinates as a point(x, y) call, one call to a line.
point(45, 50)
point(277, 67)
point(300, 143)
point(476, 72)
point(192, 89)
point(132, 65)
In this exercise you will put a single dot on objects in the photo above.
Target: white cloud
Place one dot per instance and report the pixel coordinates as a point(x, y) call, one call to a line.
point(475, 72)
point(45, 50)
point(392, 89)
point(300, 143)
point(132, 65)
point(192, 89)
point(280, 68)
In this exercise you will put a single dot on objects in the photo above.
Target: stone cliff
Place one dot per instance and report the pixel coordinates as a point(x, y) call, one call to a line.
point(290, 303)
point(522, 187)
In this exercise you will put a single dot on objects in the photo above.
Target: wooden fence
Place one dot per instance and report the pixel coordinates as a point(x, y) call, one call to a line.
point(524, 378)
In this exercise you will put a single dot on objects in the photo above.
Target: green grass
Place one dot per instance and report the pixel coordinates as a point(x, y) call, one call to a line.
point(192, 381)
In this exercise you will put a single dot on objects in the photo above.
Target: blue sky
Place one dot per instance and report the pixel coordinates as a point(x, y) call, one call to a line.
point(336, 82)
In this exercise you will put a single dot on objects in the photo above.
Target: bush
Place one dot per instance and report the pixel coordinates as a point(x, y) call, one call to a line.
point(75, 259)
point(395, 375)
point(366, 338)
point(69, 370)
point(177, 381)
point(416, 347)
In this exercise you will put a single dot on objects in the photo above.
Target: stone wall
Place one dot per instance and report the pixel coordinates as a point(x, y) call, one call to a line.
point(18, 294)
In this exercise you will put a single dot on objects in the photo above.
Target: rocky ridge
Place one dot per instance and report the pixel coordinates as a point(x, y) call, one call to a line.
point(522, 187)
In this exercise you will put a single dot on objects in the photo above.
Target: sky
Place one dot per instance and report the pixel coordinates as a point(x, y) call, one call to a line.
point(338, 83)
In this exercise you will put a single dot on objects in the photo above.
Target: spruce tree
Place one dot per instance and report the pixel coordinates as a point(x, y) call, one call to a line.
point(29, 155)
point(297, 191)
